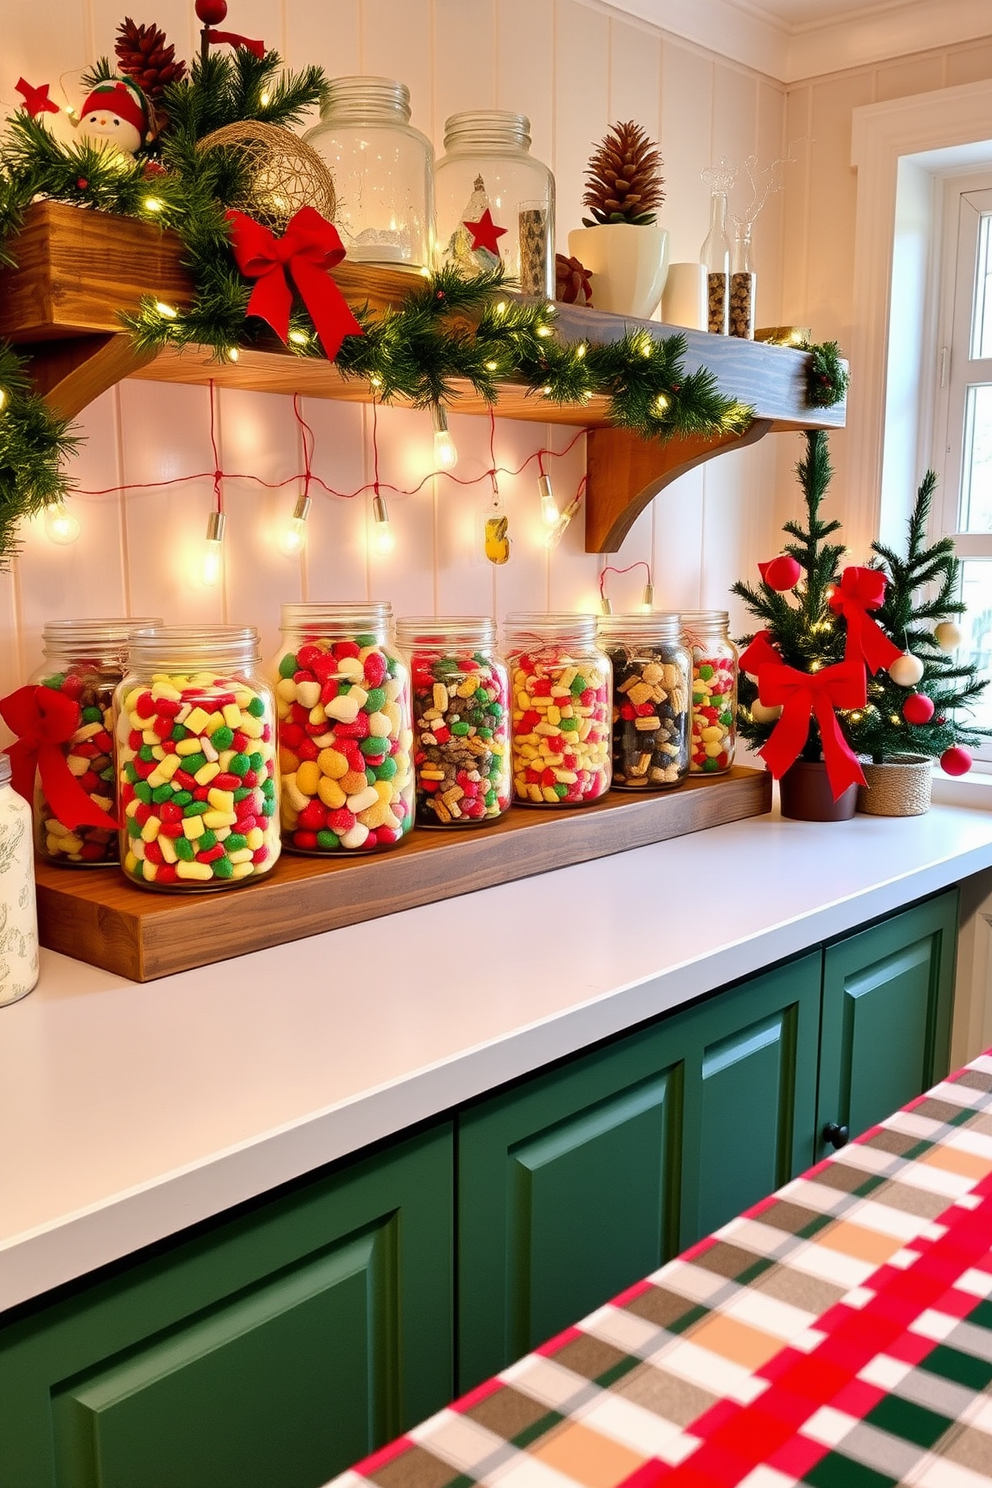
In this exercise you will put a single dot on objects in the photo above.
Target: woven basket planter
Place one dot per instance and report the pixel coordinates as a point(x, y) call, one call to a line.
point(899, 787)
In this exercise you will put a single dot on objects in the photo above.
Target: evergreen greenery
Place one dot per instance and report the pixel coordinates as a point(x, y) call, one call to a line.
point(33, 445)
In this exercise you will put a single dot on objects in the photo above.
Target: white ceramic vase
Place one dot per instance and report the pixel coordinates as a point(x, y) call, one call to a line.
point(629, 265)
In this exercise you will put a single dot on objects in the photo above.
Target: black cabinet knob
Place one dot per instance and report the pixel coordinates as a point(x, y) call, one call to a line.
point(837, 1136)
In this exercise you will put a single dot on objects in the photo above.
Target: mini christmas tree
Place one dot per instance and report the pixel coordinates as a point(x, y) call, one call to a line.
point(623, 178)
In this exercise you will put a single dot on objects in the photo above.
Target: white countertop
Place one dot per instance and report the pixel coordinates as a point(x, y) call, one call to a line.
point(129, 1111)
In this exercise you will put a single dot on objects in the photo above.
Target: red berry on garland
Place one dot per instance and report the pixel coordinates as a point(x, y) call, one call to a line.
point(211, 12)
point(917, 708)
point(781, 573)
point(956, 760)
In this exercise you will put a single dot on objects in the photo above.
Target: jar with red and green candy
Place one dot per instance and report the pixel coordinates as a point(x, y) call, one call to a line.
point(196, 759)
point(461, 720)
point(344, 729)
point(714, 690)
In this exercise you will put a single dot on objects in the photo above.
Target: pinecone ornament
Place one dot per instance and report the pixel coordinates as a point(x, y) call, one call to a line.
point(144, 55)
point(623, 178)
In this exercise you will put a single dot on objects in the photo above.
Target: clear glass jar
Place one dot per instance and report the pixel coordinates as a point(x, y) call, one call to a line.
point(714, 690)
point(84, 660)
point(383, 172)
point(560, 682)
point(651, 715)
point(487, 167)
point(196, 759)
point(715, 256)
point(461, 720)
point(345, 730)
point(18, 911)
point(743, 295)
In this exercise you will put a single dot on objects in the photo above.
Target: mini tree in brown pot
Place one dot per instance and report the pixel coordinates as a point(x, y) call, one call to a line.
point(621, 242)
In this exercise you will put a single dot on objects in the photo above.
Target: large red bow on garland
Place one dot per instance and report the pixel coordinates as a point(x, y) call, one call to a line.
point(43, 720)
point(860, 590)
point(803, 695)
point(308, 249)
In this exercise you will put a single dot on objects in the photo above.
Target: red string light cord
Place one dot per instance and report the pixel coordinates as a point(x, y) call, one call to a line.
point(609, 569)
point(309, 443)
point(217, 472)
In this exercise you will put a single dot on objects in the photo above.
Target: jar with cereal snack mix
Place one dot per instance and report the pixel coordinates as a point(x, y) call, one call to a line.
point(714, 690)
point(651, 718)
point(461, 719)
point(83, 661)
point(196, 759)
point(345, 732)
point(560, 682)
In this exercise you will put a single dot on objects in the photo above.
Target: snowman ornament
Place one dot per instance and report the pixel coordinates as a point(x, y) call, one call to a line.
point(116, 116)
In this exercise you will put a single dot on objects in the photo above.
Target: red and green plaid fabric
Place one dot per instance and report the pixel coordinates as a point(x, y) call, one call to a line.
point(837, 1335)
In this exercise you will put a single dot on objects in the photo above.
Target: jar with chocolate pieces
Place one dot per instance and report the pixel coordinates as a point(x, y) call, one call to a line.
point(651, 715)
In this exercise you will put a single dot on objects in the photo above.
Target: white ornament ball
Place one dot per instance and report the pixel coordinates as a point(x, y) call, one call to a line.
point(948, 635)
point(762, 713)
point(906, 670)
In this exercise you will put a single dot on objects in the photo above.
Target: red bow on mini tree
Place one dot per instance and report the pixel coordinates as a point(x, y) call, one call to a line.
point(307, 251)
point(803, 696)
point(43, 721)
point(861, 590)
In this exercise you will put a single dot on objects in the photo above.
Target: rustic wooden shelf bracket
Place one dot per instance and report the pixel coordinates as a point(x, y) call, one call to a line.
point(70, 374)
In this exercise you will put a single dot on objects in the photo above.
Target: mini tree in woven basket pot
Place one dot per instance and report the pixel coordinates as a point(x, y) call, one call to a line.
point(621, 243)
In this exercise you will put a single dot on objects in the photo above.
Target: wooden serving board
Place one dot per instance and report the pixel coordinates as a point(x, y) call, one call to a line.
point(97, 916)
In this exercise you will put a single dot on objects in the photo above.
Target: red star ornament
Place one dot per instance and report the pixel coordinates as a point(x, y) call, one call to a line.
point(485, 233)
point(36, 100)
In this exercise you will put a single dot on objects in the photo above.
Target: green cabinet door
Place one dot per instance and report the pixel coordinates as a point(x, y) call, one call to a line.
point(271, 1352)
point(887, 1001)
point(568, 1191)
point(750, 1096)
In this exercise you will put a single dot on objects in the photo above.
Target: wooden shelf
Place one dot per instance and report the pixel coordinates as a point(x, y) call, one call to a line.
point(78, 269)
point(95, 915)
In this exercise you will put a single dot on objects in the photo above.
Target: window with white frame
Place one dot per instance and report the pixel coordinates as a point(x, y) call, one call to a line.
point(963, 422)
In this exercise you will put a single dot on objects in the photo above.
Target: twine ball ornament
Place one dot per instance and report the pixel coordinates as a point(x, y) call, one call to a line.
point(281, 172)
point(918, 708)
point(948, 636)
point(906, 670)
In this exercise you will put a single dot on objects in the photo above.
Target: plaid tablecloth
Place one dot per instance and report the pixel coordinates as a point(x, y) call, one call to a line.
point(837, 1335)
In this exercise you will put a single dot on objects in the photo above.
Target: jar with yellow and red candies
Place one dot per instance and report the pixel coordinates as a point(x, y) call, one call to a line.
point(461, 720)
point(83, 661)
point(651, 717)
point(714, 690)
point(560, 682)
point(196, 759)
point(345, 732)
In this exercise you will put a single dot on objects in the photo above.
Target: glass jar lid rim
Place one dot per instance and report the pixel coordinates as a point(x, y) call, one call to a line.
point(118, 627)
point(310, 612)
point(418, 623)
point(206, 642)
point(494, 123)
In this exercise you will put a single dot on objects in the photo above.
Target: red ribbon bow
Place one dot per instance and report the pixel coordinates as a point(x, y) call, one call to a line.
point(43, 721)
point(803, 695)
point(758, 654)
point(860, 590)
point(308, 249)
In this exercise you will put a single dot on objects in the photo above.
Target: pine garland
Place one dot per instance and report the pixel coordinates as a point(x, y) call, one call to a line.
point(33, 445)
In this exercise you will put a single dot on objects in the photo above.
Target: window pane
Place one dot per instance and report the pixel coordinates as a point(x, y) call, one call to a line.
point(981, 330)
point(976, 460)
point(976, 625)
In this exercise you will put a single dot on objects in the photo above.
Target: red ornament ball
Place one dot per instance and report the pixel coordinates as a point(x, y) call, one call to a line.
point(211, 12)
point(781, 573)
point(917, 708)
point(956, 760)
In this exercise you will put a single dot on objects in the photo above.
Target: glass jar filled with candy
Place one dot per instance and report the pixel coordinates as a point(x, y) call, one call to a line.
point(651, 716)
point(196, 759)
point(83, 661)
point(461, 720)
point(560, 683)
point(345, 731)
point(714, 690)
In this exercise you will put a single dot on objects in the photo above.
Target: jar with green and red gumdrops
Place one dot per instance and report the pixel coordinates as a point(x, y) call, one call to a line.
point(560, 680)
point(461, 719)
point(83, 660)
point(196, 759)
point(345, 731)
point(714, 690)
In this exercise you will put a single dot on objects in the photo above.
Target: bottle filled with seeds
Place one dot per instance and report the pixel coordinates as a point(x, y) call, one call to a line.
point(74, 818)
point(461, 720)
point(345, 730)
point(651, 715)
point(196, 759)
point(714, 690)
point(561, 686)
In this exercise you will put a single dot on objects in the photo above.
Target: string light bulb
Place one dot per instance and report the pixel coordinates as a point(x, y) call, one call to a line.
point(554, 534)
point(212, 563)
point(61, 526)
point(293, 538)
point(647, 603)
point(383, 539)
point(445, 451)
point(549, 506)
point(3, 399)
point(606, 604)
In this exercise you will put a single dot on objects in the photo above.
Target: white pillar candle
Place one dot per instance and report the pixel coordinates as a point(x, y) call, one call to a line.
point(684, 300)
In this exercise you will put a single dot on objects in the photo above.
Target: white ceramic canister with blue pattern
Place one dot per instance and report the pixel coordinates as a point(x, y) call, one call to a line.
point(18, 908)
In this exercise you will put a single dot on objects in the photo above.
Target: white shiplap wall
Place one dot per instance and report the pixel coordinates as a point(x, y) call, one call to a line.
point(574, 67)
